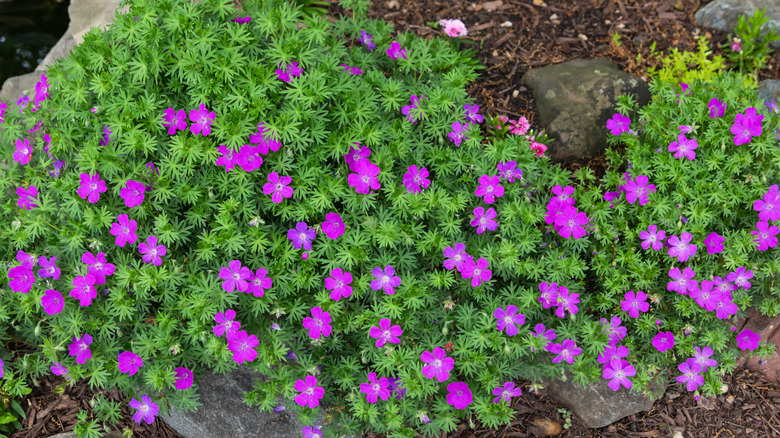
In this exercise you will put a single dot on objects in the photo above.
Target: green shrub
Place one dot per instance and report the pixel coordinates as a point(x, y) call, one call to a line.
point(748, 49)
point(685, 67)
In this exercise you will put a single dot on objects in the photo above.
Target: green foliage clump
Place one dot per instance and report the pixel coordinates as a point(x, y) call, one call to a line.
point(685, 67)
point(748, 49)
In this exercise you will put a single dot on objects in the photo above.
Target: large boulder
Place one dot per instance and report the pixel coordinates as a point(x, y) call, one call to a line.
point(575, 99)
point(769, 90)
point(724, 14)
point(13, 87)
point(86, 14)
point(597, 405)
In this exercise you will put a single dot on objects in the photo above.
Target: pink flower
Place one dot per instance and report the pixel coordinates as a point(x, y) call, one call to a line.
point(478, 272)
point(538, 148)
point(490, 187)
point(264, 142)
point(567, 350)
point(612, 328)
point(539, 331)
point(365, 177)
point(395, 50)
point(768, 207)
point(258, 282)
point(519, 126)
point(456, 257)
point(133, 194)
point(201, 120)
point(740, 277)
point(129, 362)
point(748, 340)
point(385, 280)
point(184, 378)
point(439, 365)
point(690, 376)
point(83, 289)
point(736, 45)
point(549, 296)
point(570, 222)
point(52, 302)
point(385, 333)
point(146, 410)
point(91, 187)
point(612, 352)
point(80, 348)
point(652, 237)
point(310, 394)
point(701, 358)
point(714, 243)
point(506, 392)
point(705, 296)
point(507, 319)
point(243, 346)
point(566, 302)
point(618, 124)
point(249, 158)
point(484, 220)
point(453, 28)
point(354, 155)
point(333, 227)
point(49, 268)
point(681, 247)
point(638, 190)
point(241, 20)
point(226, 324)
point(25, 201)
point(563, 196)
point(459, 395)
point(175, 120)
point(415, 180)
point(290, 68)
point(725, 307)
point(59, 370)
point(124, 230)
point(458, 133)
point(339, 284)
point(618, 373)
point(228, 159)
point(318, 324)
point(97, 266)
point(508, 171)
point(235, 276)
point(23, 151)
point(635, 303)
point(21, 278)
point(375, 389)
point(684, 147)
point(746, 126)
point(717, 108)
point(277, 187)
point(765, 236)
point(683, 282)
point(152, 251)
point(471, 113)
point(302, 236)
point(663, 341)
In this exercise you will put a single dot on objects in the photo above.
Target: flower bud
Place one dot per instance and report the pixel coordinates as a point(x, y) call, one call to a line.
point(507, 350)
point(679, 223)
point(445, 331)
point(279, 409)
point(175, 349)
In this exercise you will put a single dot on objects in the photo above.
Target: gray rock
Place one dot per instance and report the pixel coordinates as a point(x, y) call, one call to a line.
point(225, 415)
point(60, 50)
point(597, 404)
point(769, 90)
point(575, 99)
point(85, 14)
point(14, 86)
point(112, 434)
point(724, 14)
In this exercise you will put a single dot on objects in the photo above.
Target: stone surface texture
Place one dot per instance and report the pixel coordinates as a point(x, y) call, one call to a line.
point(575, 99)
point(769, 330)
point(769, 90)
point(597, 405)
point(85, 14)
point(14, 86)
point(724, 14)
point(112, 434)
point(225, 415)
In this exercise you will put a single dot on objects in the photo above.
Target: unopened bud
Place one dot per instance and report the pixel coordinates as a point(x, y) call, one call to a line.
point(445, 331)
point(507, 350)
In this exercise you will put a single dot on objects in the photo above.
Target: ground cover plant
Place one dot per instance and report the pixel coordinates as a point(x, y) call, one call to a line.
point(321, 203)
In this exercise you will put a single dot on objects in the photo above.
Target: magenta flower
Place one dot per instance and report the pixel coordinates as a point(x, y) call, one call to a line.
point(684, 129)
point(746, 126)
point(365, 177)
point(663, 341)
point(720, 285)
point(375, 389)
point(243, 346)
point(612, 352)
point(23, 151)
point(258, 282)
point(80, 348)
point(456, 257)
point(539, 331)
point(58, 369)
point(385, 280)
point(717, 108)
point(97, 266)
point(458, 133)
point(705, 296)
point(184, 378)
point(471, 113)
point(714, 243)
point(509, 171)
point(507, 319)
point(765, 236)
point(367, 40)
point(49, 268)
point(570, 222)
point(129, 362)
point(133, 194)
point(310, 394)
point(618, 124)
point(229, 158)
point(146, 410)
point(25, 201)
point(277, 187)
point(549, 296)
point(249, 158)
point(506, 392)
point(264, 142)
point(519, 126)
point(490, 187)
point(652, 237)
point(439, 365)
point(484, 220)
point(748, 340)
point(415, 180)
point(618, 373)
point(241, 20)
point(339, 284)
point(635, 303)
point(235, 276)
point(201, 120)
point(612, 328)
point(567, 350)
point(84, 289)
point(478, 272)
point(333, 227)
point(682, 282)
point(768, 207)
point(124, 230)
point(690, 377)
point(91, 187)
point(311, 432)
point(226, 324)
point(152, 251)
point(302, 236)
point(725, 307)
point(740, 277)
point(566, 302)
point(175, 120)
point(684, 147)
point(563, 195)
point(354, 155)
point(318, 324)
point(702, 358)
point(21, 278)
point(681, 246)
point(459, 395)
point(638, 190)
point(289, 68)
point(52, 302)
point(395, 50)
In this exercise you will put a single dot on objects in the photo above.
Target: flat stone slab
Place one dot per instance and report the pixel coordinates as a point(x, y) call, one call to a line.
point(724, 14)
point(14, 86)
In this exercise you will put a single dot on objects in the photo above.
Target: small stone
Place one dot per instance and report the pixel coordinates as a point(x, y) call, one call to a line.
point(553, 17)
point(495, 52)
point(677, 434)
point(671, 395)
point(724, 389)
point(515, 93)
point(621, 26)
point(492, 6)
point(607, 21)
point(730, 399)
point(583, 37)
point(506, 24)
point(393, 4)
point(540, 3)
